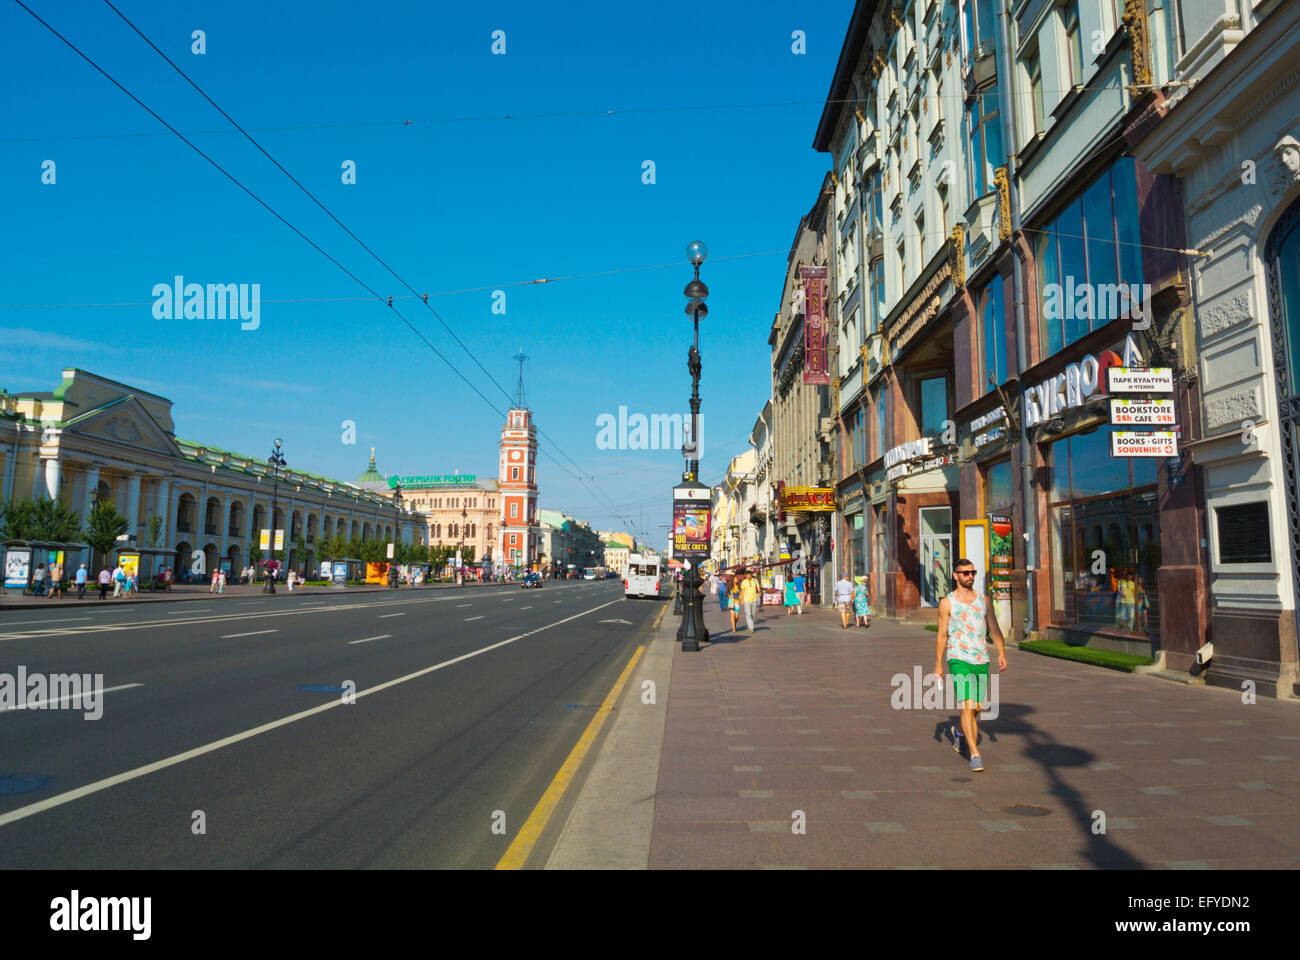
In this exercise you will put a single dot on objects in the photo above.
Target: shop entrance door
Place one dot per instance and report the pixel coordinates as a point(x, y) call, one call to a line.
point(936, 554)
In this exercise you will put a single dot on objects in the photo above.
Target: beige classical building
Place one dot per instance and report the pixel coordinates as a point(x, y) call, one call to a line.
point(458, 508)
point(94, 438)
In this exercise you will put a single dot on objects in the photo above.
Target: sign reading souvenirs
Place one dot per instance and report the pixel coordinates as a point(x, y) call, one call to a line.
point(996, 429)
point(1126, 443)
point(691, 519)
point(437, 480)
point(1140, 380)
point(807, 498)
point(815, 371)
point(1141, 413)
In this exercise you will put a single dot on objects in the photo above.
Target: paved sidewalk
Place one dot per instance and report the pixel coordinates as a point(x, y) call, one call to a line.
point(798, 717)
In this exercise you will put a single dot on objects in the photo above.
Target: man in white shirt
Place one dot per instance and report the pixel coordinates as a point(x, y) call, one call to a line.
point(844, 599)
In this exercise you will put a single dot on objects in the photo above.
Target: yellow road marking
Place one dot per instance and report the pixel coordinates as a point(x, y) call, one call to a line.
point(517, 855)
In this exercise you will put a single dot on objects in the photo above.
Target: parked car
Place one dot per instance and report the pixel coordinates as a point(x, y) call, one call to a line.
point(531, 579)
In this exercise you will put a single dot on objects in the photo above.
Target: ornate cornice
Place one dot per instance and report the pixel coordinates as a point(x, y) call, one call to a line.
point(1004, 203)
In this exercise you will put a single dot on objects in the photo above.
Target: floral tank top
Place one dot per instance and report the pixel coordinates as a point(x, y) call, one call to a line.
point(966, 625)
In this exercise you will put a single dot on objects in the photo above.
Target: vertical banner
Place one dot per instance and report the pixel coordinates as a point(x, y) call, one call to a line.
point(815, 371)
point(1001, 563)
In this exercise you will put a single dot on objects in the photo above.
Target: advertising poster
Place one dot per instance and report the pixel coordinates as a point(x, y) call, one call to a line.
point(1001, 563)
point(130, 564)
point(340, 576)
point(690, 529)
point(228, 566)
point(264, 542)
point(326, 570)
point(1130, 443)
point(18, 567)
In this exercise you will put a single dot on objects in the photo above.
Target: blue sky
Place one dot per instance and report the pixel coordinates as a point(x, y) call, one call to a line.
point(459, 199)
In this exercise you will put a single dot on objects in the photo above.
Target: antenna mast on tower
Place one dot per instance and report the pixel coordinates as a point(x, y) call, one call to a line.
point(519, 391)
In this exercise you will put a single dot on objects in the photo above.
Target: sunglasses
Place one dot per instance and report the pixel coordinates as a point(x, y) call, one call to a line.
point(965, 573)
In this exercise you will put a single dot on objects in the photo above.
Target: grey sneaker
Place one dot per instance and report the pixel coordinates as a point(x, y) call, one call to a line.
point(956, 740)
point(976, 763)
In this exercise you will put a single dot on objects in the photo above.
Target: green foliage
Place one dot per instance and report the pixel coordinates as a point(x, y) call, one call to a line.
point(155, 525)
point(1100, 658)
point(105, 526)
point(51, 520)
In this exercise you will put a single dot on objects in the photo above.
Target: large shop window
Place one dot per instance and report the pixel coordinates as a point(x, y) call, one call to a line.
point(999, 496)
point(857, 560)
point(984, 124)
point(994, 323)
point(1083, 252)
point(934, 406)
point(1105, 536)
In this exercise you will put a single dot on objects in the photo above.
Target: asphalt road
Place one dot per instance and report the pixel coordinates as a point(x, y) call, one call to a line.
point(446, 739)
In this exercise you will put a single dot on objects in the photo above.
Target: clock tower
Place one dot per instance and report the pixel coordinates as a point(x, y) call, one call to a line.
point(519, 534)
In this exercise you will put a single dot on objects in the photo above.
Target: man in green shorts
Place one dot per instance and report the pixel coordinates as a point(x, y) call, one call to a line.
point(964, 618)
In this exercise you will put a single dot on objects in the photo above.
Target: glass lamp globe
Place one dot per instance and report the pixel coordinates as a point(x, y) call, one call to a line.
point(696, 252)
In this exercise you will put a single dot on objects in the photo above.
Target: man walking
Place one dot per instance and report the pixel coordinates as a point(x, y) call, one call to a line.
point(844, 599)
point(105, 580)
point(119, 581)
point(749, 598)
point(81, 581)
point(964, 618)
point(56, 580)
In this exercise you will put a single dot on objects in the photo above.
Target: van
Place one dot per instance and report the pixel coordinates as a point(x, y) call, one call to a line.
point(646, 577)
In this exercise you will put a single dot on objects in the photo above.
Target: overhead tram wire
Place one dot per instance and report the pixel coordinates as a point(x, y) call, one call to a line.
point(330, 213)
point(262, 203)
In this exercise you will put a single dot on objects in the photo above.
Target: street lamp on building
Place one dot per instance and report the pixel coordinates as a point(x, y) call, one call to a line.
point(276, 462)
point(694, 493)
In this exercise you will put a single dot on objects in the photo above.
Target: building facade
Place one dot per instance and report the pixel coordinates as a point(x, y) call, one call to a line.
point(568, 545)
point(94, 439)
point(459, 509)
point(1224, 122)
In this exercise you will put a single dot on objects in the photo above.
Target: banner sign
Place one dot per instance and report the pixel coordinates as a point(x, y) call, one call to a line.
point(279, 539)
point(1001, 557)
point(432, 480)
point(815, 371)
point(1140, 380)
point(691, 522)
point(18, 567)
point(1127, 443)
point(265, 542)
point(1141, 413)
point(808, 498)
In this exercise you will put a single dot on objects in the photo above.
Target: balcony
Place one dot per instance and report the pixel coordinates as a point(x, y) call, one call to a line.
point(980, 68)
point(981, 230)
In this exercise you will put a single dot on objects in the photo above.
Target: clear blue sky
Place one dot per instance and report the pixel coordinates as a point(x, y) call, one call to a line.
point(470, 200)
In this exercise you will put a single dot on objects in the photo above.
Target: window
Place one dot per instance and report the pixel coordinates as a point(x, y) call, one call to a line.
point(983, 121)
point(1033, 68)
point(1104, 528)
point(514, 510)
point(1243, 533)
point(1081, 258)
point(998, 493)
point(878, 298)
point(1074, 42)
point(994, 324)
point(514, 473)
point(882, 424)
point(934, 406)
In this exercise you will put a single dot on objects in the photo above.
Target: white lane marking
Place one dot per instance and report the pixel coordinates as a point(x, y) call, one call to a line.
point(468, 619)
point(254, 633)
point(459, 605)
point(382, 636)
point(385, 616)
point(529, 607)
point(506, 599)
point(67, 797)
point(173, 613)
point(71, 696)
point(17, 623)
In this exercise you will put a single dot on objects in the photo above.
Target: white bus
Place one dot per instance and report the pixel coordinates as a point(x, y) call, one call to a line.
point(646, 577)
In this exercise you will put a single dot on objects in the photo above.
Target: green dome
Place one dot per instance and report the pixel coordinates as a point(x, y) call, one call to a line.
point(371, 475)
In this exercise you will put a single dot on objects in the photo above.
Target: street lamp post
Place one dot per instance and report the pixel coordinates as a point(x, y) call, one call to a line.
point(276, 462)
point(397, 533)
point(460, 567)
point(692, 630)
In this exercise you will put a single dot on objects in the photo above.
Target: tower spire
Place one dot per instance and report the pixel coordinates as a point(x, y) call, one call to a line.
point(519, 390)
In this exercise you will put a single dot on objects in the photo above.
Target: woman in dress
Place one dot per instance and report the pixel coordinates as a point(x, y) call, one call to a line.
point(733, 600)
point(793, 601)
point(861, 607)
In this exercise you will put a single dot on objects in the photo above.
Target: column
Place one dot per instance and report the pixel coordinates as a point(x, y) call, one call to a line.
point(224, 532)
point(162, 507)
point(133, 505)
point(173, 505)
point(52, 467)
point(92, 484)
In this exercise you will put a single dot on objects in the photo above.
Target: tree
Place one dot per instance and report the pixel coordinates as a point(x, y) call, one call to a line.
point(51, 520)
point(155, 525)
point(105, 526)
point(254, 555)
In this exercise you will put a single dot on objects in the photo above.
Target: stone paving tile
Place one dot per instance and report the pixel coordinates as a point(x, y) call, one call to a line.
point(732, 809)
point(700, 846)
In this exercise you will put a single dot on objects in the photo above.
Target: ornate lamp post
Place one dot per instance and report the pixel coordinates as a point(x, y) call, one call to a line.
point(276, 462)
point(691, 492)
point(460, 570)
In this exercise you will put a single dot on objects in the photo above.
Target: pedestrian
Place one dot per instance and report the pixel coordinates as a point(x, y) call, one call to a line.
point(801, 588)
point(212, 587)
point(292, 579)
point(105, 581)
point(964, 619)
point(81, 581)
point(56, 580)
point(119, 581)
point(720, 589)
point(38, 581)
point(132, 587)
point(749, 597)
point(861, 605)
point(733, 600)
point(221, 583)
point(844, 599)
point(793, 601)
point(171, 576)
